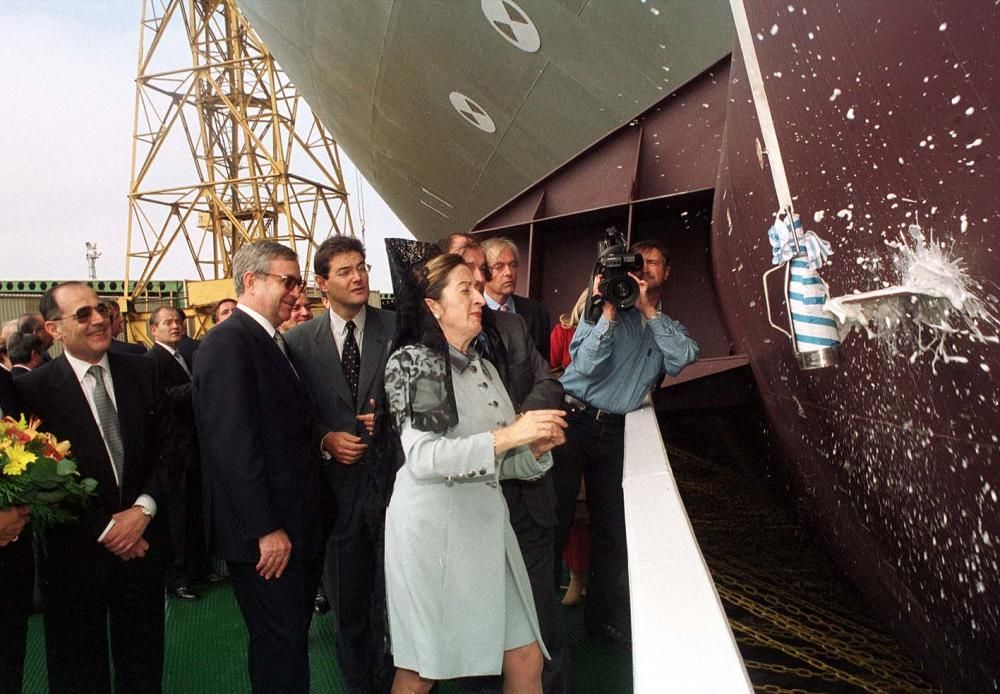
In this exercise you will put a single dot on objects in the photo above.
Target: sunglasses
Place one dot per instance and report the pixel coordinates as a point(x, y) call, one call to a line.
point(85, 313)
point(289, 281)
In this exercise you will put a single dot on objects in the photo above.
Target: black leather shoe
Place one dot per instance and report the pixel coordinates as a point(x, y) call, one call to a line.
point(184, 593)
point(320, 604)
point(212, 577)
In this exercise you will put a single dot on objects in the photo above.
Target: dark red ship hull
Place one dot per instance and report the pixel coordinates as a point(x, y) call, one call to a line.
point(888, 111)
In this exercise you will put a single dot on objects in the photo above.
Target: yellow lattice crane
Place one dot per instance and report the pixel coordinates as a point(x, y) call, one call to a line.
point(224, 152)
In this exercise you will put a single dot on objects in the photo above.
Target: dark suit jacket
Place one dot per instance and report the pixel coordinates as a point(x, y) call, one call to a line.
point(316, 358)
point(17, 371)
point(537, 319)
point(178, 386)
point(53, 393)
point(531, 386)
point(8, 401)
point(119, 347)
point(260, 452)
point(187, 348)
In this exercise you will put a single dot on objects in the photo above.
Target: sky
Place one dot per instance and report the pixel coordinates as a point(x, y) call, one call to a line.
point(66, 138)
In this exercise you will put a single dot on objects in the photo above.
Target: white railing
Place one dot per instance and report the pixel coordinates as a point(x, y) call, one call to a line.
point(681, 639)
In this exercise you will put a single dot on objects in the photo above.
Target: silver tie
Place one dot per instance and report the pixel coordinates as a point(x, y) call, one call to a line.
point(180, 360)
point(107, 416)
point(280, 341)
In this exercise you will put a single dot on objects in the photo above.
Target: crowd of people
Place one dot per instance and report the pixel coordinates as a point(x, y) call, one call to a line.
point(417, 470)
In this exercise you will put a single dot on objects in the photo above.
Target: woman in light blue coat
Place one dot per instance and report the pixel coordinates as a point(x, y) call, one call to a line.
point(459, 599)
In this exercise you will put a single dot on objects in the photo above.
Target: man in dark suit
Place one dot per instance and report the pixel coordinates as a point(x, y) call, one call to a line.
point(105, 569)
point(501, 279)
point(265, 494)
point(182, 481)
point(341, 358)
point(188, 345)
point(17, 570)
point(34, 324)
point(507, 343)
point(25, 352)
point(117, 326)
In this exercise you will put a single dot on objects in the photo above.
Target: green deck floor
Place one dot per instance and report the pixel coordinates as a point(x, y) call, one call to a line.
point(800, 626)
point(206, 652)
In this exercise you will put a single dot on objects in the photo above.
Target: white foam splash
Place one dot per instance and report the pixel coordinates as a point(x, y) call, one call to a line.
point(935, 303)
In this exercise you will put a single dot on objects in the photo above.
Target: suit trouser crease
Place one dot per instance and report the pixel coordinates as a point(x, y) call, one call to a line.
point(277, 613)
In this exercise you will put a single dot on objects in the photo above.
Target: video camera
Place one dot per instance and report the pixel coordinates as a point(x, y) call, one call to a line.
point(615, 264)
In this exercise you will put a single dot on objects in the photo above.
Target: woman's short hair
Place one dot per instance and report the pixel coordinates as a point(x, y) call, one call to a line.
point(433, 276)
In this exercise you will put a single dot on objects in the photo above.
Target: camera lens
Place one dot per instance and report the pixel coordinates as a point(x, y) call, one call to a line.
point(621, 289)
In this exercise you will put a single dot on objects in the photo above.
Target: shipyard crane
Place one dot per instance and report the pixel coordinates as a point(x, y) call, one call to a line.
point(255, 163)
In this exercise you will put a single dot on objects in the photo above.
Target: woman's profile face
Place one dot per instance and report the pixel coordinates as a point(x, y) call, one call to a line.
point(459, 312)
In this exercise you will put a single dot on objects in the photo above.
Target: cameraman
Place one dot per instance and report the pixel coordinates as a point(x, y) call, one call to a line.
point(616, 361)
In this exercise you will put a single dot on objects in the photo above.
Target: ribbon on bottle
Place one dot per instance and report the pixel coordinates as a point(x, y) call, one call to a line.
point(788, 240)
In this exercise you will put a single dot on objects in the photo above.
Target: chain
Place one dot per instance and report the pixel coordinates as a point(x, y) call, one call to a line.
point(822, 644)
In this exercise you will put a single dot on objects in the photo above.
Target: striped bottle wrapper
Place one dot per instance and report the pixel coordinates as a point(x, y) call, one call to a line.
point(814, 328)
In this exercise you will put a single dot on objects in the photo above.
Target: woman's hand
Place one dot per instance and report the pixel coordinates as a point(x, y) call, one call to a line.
point(541, 430)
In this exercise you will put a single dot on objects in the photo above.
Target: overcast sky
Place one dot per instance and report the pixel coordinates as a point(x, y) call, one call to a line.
point(65, 143)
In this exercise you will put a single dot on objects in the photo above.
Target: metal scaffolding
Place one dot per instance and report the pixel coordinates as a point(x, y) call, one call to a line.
point(212, 102)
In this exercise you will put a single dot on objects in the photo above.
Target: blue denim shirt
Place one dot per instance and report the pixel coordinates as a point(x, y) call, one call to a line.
point(616, 363)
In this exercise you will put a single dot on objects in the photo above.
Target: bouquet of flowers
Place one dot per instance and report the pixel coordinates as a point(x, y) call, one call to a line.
point(35, 471)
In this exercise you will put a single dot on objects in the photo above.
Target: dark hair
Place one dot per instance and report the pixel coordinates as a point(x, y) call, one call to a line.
point(651, 245)
point(21, 346)
point(28, 323)
point(48, 306)
point(218, 305)
point(335, 245)
point(433, 276)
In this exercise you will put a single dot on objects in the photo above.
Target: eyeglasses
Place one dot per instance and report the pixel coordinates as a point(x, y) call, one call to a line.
point(85, 313)
point(290, 281)
point(499, 267)
point(345, 272)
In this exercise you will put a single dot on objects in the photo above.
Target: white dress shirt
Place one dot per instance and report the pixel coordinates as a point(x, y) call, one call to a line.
point(338, 326)
point(264, 322)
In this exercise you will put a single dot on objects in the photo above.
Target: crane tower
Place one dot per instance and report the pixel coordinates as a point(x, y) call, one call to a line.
point(224, 149)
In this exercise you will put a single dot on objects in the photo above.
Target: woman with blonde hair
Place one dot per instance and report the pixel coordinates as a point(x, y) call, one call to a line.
point(576, 555)
point(562, 334)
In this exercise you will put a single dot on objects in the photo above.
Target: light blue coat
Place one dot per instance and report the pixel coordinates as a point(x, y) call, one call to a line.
point(448, 534)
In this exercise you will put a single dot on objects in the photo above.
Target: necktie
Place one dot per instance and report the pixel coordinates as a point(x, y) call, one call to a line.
point(351, 360)
point(482, 344)
point(279, 340)
point(504, 307)
point(180, 360)
point(107, 416)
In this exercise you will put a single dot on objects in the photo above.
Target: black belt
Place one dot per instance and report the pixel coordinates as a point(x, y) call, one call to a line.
point(580, 407)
